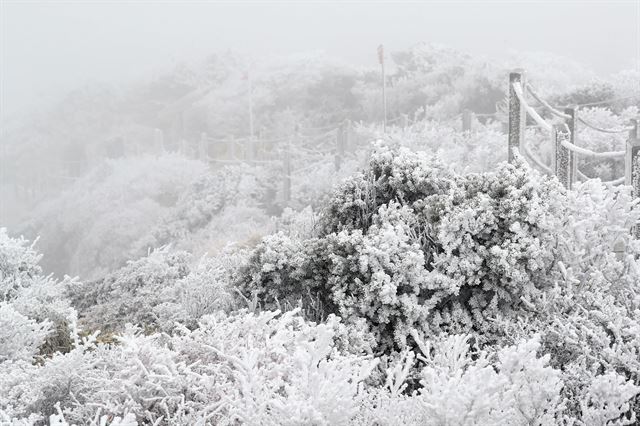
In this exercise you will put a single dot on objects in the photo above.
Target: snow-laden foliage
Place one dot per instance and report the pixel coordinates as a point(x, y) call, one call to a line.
point(157, 291)
point(18, 264)
point(461, 385)
point(35, 317)
point(464, 385)
point(496, 298)
point(409, 243)
point(20, 336)
point(588, 320)
point(239, 369)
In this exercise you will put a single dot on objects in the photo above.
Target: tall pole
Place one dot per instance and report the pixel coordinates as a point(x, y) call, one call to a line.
point(384, 87)
point(517, 114)
point(572, 123)
point(561, 163)
point(632, 167)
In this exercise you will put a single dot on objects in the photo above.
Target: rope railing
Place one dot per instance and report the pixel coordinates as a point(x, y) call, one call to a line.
point(615, 181)
point(582, 175)
point(599, 129)
point(535, 159)
point(607, 182)
point(532, 112)
point(545, 104)
point(608, 101)
point(564, 134)
point(591, 154)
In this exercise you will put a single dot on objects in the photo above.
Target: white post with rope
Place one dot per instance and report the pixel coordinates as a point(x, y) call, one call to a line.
point(632, 167)
point(561, 162)
point(517, 114)
point(571, 122)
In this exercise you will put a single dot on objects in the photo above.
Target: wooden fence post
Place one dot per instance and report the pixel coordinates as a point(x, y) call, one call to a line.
point(561, 161)
point(632, 148)
point(466, 120)
point(572, 123)
point(632, 167)
point(517, 114)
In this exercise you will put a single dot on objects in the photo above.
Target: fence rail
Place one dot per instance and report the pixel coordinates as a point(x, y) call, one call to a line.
point(564, 138)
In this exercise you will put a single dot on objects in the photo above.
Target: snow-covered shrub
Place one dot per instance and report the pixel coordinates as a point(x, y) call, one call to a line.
point(35, 312)
point(203, 291)
point(130, 294)
point(409, 243)
point(20, 336)
point(18, 264)
point(588, 320)
point(607, 401)
point(292, 375)
point(497, 237)
point(157, 291)
point(462, 385)
point(239, 369)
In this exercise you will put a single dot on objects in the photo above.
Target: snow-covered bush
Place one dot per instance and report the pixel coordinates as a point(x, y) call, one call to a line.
point(18, 264)
point(203, 291)
point(35, 316)
point(588, 320)
point(409, 243)
point(239, 369)
point(157, 291)
point(130, 294)
point(20, 336)
point(461, 385)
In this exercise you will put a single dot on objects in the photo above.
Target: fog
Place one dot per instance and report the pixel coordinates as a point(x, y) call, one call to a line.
point(99, 95)
point(50, 47)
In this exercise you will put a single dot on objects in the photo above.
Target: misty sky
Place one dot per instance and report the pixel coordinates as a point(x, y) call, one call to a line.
point(51, 47)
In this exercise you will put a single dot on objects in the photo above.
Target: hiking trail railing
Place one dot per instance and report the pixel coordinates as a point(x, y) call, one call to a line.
point(563, 136)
